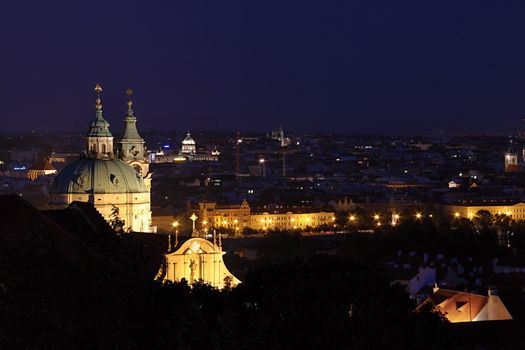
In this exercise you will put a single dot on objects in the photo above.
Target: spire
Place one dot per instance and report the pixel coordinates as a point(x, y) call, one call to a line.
point(130, 129)
point(131, 144)
point(99, 126)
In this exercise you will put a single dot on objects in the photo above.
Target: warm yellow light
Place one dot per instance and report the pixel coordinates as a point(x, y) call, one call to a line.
point(378, 224)
point(376, 217)
point(470, 215)
point(507, 213)
point(352, 218)
point(293, 220)
point(418, 216)
point(456, 214)
point(175, 224)
point(261, 160)
point(224, 222)
point(430, 215)
point(235, 221)
point(204, 222)
point(333, 218)
point(396, 216)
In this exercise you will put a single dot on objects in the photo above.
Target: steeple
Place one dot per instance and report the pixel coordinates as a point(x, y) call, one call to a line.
point(131, 145)
point(130, 130)
point(99, 141)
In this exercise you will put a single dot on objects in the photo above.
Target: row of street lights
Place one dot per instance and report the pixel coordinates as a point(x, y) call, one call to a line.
point(394, 221)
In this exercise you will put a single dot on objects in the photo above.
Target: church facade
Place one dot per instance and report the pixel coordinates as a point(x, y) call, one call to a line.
point(198, 259)
point(117, 183)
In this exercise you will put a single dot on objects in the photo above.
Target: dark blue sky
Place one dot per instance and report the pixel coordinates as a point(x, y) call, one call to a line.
point(347, 66)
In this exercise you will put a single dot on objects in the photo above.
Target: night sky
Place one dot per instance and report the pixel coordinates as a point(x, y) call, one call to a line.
point(328, 66)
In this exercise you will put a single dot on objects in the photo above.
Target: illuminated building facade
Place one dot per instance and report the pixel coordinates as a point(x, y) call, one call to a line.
point(41, 169)
point(112, 185)
point(290, 221)
point(515, 210)
point(238, 217)
point(467, 307)
point(198, 259)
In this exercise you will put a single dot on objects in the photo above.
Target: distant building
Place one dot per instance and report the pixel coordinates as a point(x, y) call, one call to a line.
point(188, 146)
point(516, 210)
point(236, 216)
point(467, 307)
point(239, 216)
point(511, 159)
point(41, 169)
point(290, 220)
point(188, 152)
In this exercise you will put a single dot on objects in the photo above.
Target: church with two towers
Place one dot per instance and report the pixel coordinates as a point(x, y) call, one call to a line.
point(115, 178)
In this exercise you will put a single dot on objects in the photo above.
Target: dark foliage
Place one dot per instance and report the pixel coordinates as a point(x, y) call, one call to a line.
point(59, 291)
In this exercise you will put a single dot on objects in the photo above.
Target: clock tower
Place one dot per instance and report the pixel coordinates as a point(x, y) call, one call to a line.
point(131, 146)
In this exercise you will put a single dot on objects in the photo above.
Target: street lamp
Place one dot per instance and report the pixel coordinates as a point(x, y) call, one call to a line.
point(175, 225)
point(263, 167)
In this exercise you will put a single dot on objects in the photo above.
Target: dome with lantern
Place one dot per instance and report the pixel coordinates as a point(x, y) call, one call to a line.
point(112, 185)
point(188, 145)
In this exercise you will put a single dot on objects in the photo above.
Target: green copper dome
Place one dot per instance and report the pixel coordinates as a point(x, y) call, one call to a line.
point(98, 176)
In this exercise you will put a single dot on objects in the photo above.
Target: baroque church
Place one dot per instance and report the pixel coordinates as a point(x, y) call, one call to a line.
point(116, 180)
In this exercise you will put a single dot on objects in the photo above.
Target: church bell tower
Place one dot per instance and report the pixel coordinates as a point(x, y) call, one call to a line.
point(131, 146)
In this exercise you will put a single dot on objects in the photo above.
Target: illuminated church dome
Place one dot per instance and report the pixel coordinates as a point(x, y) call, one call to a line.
point(188, 145)
point(112, 185)
point(98, 176)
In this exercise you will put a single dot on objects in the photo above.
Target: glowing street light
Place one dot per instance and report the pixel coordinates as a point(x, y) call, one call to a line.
point(456, 215)
point(376, 217)
point(418, 216)
point(175, 225)
point(352, 218)
point(262, 165)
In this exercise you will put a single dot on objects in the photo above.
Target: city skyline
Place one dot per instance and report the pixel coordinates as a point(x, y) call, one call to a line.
point(352, 68)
